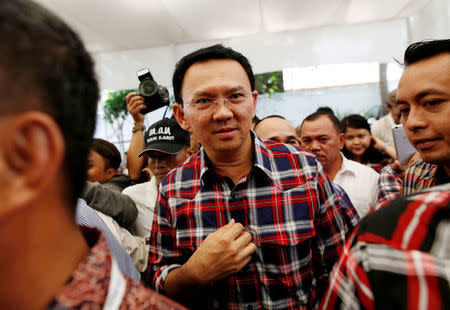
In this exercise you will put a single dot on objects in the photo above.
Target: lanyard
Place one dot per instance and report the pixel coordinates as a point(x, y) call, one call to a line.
point(116, 289)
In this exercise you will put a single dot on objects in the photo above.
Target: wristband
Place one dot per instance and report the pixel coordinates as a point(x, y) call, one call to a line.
point(138, 128)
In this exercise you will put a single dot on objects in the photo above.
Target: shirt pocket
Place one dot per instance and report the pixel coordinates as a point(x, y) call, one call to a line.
point(284, 251)
point(285, 264)
point(285, 239)
point(191, 224)
point(286, 219)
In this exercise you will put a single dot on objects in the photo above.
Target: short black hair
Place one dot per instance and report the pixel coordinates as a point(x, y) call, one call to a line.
point(40, 56)
point(425, 49)
point(217, 51)
point(325, 109)
point(108, 151)
point(331, 117)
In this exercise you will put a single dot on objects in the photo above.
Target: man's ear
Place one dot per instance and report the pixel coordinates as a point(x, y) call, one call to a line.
point(33, 153)
point(178, 112)
point(341, 141)
point(110, 172)
point(255, 98)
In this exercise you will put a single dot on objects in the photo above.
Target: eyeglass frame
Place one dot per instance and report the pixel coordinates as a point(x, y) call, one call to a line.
point(226, 101)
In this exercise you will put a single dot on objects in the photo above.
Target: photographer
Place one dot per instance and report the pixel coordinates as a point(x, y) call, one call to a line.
point(151, 97)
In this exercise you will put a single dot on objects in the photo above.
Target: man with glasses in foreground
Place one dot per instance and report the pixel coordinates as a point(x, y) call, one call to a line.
point(243, 223)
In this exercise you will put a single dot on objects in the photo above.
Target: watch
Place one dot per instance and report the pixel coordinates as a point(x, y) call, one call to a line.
point(138, 128)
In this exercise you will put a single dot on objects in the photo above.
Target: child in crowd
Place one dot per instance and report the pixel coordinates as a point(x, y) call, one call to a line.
point(362, 147)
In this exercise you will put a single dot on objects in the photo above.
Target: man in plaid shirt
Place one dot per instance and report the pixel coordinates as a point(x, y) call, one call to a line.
point(423, 99)
point(397, 257)
point(242, 224)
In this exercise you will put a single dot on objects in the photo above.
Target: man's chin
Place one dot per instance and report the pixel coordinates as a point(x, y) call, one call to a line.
point(321, 158)
point(435, 157)
point(227, 146)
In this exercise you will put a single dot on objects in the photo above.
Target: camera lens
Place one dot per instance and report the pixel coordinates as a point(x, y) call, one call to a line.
point(147, 88)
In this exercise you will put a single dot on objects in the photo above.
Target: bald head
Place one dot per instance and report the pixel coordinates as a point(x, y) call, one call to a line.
point(278, 129)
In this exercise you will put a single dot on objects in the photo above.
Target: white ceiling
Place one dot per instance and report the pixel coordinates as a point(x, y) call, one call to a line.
point(115, 25)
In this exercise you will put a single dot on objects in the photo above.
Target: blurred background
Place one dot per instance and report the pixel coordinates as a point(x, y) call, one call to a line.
point(306, 54)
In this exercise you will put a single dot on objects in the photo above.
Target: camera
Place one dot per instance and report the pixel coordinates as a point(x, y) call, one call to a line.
point(155, 96)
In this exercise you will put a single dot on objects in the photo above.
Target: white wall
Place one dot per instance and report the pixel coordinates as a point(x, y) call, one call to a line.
point(269, 52)
point(380, 41)
point(433, 22)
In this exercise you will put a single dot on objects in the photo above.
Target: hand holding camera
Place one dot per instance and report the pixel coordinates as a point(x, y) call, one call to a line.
point(135, 104)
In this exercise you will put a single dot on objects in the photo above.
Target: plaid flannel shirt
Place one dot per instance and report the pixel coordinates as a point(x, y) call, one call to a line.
point(297, 218)
point(419, 176)
point(396, 258)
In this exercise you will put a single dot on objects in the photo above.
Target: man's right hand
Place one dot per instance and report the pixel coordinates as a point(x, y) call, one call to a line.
point(398, 169)
point(223, 253)
point(135, 104)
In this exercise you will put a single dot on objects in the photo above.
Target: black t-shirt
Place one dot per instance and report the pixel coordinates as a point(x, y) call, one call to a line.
point(441, 176)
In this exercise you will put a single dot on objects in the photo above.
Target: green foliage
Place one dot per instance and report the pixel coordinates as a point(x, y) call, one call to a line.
point(115, 107)
point(269, 83)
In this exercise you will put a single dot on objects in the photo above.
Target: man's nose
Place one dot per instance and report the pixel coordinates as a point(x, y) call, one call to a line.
point(222, 111)
point(415, 120)
point(315, 145)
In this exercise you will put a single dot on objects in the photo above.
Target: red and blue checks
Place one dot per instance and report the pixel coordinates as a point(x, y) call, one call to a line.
point(298, 220)
point(397, 258)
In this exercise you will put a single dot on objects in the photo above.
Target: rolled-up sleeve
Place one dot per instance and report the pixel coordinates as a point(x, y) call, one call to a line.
point(164, 256)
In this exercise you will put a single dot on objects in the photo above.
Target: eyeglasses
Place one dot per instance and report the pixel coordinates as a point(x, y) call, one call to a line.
point(360, 137)
point(232, 102)
point(290, 140)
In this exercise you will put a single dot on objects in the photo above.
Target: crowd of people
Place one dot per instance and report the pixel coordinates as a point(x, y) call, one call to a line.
point(219, 209)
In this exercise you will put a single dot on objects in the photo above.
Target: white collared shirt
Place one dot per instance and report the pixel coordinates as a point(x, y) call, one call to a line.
point(144, 196)
point(360, 182)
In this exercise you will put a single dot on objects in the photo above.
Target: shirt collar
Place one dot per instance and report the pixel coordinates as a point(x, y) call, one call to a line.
point(428, 168)
point(346, 166)
point(97, 262)
point(205, 163)
point(262, 158)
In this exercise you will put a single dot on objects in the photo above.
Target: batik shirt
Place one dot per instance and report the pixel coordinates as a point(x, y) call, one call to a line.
point(398, 258)
point(297, 218)
point(88, 287)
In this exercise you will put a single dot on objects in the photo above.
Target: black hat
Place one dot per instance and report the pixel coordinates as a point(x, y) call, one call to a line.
point(165, 136)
